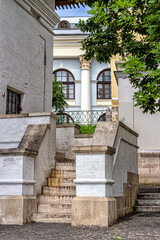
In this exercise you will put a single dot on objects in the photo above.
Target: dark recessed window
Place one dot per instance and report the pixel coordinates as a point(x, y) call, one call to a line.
point(13, 103)
point(104, 85)
point(68, 81)
point(64, 25)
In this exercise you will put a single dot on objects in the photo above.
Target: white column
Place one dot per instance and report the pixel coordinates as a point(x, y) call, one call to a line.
point(85, 84)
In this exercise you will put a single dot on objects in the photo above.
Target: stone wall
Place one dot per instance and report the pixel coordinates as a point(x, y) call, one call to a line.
point(126, 203)
point(149, 168)
point(26, 54)
point(106, 175)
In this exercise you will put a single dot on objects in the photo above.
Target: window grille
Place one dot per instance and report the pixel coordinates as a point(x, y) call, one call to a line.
point(13, 102)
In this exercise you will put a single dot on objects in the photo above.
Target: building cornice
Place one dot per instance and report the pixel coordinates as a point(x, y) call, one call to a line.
point(41, 11)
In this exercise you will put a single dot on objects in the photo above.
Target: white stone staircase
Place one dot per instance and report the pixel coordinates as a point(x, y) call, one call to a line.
point(55, 202)
point(148, 199)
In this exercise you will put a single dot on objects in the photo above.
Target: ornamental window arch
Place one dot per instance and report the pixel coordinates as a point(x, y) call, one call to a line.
point(104, 84)
point(68, 81)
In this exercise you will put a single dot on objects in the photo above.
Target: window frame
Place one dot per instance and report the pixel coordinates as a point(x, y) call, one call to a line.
point(64, 21)
point(67, 82)
point(103, 83)
point(13, 106)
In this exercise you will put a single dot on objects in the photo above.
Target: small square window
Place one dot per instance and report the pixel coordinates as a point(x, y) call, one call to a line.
point(13, 103)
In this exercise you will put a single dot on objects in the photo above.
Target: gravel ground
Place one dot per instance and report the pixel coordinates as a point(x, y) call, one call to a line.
point(135, 227)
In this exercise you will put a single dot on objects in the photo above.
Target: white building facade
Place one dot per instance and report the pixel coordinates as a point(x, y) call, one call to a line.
point(89, 85)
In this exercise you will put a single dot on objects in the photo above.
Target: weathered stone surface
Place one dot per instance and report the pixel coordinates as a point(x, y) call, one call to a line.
point(33, 136)
point(149, 168)
point(54, 204)
point(126, 202)
point(17, 209)
point(148, 199)
point(94, 211)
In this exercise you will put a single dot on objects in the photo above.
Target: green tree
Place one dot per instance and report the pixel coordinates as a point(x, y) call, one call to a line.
point(131, 29)
point(58, 97)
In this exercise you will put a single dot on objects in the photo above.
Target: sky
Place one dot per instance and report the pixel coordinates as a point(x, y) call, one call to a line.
point(74, 12)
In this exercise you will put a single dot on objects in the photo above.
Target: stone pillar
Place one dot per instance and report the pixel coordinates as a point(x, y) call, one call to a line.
point(94, 204)
point(85, 84)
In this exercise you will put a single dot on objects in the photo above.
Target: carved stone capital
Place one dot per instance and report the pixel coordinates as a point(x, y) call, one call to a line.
point(84, 63)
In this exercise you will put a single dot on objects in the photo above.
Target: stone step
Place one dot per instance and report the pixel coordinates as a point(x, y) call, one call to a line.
point(51, 218)
point(55, 208)
point(45, 199)
point(148, 202)
point(59, 191)
point(51, 182)
point(140, 209)
point(60, 155)
point(148, 196)
point(60, 159)
point(63, 174)
point(65, 166)
point(149, 189)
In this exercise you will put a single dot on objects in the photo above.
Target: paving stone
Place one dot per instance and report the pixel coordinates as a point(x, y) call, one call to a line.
point(142, 226)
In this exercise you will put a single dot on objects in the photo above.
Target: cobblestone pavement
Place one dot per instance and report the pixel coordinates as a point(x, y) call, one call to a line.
point(135, 227)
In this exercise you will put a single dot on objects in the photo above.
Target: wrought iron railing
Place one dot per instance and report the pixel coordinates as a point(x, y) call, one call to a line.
point(81, 117)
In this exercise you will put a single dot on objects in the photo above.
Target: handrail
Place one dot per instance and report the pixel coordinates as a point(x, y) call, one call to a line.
point(82, 117)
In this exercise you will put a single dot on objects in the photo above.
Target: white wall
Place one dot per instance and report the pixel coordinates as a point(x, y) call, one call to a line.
point(146, 125)
point(96, 68)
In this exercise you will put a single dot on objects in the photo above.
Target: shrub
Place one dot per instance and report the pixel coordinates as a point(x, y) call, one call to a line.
point(89, 129)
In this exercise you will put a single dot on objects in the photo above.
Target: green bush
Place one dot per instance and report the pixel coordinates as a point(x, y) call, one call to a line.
point(89, 129)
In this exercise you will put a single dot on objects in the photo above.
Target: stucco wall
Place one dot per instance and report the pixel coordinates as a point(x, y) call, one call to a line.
point(23, 40)
point(146, 125)
point(148, 128)
point(13, 127)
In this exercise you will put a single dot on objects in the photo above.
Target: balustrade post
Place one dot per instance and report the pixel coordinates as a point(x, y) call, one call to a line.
point(94, 204)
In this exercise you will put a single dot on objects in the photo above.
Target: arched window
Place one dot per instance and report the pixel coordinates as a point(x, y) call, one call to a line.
point(64, 25)
point(104, 85)
point(68, 81)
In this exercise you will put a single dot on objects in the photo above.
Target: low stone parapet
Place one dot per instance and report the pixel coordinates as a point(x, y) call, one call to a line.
point(65, 134)
point(24, 168)
point(106, 175)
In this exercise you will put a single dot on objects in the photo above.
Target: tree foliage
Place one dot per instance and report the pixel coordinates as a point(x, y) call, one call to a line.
point(131, 29)
point(58, 97)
